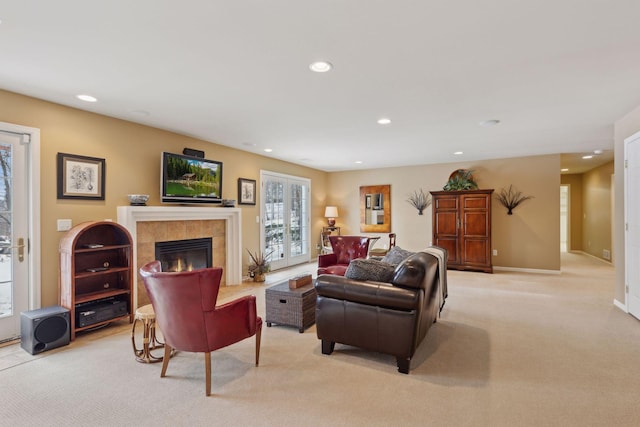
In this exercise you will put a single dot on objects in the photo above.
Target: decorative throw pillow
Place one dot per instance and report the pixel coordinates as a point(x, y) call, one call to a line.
point(396, 255)
point(369, 269)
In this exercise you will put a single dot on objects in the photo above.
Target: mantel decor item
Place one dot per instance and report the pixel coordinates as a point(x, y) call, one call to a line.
point(419, 200)
point(80, 177)
point(260, 265)
point(511, 198)
point(138, 199)
point(246, 191)
point(461, 179)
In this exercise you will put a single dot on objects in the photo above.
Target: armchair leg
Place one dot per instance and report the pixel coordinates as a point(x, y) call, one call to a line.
point(258, 335)
point(403, 364)
point(327, 347)
point(165, 359)
point(207, 369)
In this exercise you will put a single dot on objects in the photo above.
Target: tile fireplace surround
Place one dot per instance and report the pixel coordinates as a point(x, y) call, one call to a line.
point(148, 224)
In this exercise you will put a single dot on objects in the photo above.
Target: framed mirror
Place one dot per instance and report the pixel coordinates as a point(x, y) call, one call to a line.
point(375, 209)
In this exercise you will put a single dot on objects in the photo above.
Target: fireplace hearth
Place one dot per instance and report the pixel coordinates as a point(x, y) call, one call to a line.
point(184, 255)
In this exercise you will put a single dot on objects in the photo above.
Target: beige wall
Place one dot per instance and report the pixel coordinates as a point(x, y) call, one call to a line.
point(132, 154)
point(574, 181)
point(623, 128)
point(527, 239)
point(597, 210)
point(530, 238)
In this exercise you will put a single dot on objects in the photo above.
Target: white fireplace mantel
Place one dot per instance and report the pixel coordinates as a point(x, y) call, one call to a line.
point(128, 216)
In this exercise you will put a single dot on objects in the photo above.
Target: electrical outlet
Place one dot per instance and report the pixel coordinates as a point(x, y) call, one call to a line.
point(495, 252)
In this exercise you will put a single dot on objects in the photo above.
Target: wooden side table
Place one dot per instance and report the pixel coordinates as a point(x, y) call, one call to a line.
point(291, 307)
point(325, 245)
point(147, 317)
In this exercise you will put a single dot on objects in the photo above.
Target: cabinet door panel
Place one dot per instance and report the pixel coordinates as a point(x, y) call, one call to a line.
point(446, 202)
point(474, 202)
point(446, 223)
point(476, 224)
point(476, 252)
point(451, 245)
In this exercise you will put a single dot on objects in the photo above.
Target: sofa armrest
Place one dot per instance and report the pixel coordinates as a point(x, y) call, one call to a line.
point(367, 292)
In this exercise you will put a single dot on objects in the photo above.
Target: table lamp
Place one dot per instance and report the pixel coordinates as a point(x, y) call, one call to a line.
point(331, 213)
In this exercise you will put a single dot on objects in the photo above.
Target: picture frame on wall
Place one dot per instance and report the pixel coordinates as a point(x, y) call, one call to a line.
point(80, 177)
point(246, 191)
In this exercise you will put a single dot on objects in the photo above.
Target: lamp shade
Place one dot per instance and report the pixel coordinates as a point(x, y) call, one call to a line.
point(331, 212)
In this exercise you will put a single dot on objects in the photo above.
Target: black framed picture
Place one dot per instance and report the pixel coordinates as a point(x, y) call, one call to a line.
point(80, 177)
point(246, 191)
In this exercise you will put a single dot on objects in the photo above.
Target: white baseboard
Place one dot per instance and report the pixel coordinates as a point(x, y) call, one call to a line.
point(592, 256)
point(527, 270)
point(620, 305)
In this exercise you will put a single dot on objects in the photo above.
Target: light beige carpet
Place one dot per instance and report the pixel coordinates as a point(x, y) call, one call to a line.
point(511, 349)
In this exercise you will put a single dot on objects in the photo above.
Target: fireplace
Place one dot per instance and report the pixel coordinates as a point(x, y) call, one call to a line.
point(150, 224)
point(184, 255)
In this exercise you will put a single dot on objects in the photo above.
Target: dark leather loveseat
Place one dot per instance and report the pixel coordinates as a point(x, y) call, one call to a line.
point(391, 318)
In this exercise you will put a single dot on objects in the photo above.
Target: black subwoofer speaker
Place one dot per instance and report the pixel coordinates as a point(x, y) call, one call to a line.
point(44, 329)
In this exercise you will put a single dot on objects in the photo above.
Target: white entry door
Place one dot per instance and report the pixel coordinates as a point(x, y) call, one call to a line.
point(17, 278)
point(285, 219)
point(632, 222)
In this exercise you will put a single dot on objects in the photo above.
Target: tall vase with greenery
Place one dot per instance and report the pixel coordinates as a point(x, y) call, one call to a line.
point(260, 265)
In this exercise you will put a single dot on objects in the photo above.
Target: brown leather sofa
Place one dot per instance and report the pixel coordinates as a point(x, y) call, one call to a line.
point(345, 249)
point(391, 318)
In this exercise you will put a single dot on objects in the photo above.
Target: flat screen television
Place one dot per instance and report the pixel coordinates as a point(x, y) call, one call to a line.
point(187, 179)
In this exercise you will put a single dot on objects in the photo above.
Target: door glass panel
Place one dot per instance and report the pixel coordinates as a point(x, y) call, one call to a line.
point(6, 282)
point(298, 225)
point(274, 225)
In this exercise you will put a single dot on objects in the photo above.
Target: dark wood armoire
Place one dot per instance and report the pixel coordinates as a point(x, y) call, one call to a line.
point(462, 226)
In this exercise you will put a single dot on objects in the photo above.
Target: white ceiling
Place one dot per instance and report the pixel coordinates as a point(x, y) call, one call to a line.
point(556, 73)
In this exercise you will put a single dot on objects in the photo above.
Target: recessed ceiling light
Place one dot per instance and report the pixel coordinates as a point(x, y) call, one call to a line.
point(87, 98)
point(248, 144)
point(587, 157)
point(141, 113)
point(564, 170)
point(597, 151)
point(321, 66)
point(358, 162)
point(384, 121)
point(457, 153)
point(488, 123)
point(268, 150)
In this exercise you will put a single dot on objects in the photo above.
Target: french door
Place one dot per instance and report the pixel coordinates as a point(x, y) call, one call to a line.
point(19, 277)
point(284, 212)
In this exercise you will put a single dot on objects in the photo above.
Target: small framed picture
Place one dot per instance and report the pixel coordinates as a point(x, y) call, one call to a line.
point(80, 177)
point(246, 191)
point(368, 201)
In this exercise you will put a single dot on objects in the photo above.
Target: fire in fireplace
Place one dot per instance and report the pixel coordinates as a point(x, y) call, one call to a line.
point(184, 255)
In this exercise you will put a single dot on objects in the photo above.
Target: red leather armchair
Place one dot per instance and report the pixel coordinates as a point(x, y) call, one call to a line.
point(186, 313)
point(345, 249)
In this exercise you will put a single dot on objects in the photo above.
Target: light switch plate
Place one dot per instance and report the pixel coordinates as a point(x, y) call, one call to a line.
point(64, 224)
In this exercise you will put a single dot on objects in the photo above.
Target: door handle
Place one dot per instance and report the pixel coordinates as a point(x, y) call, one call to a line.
point(20, 248)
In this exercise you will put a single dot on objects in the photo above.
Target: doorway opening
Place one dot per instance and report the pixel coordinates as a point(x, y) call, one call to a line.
point(565, 229)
